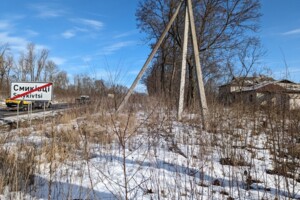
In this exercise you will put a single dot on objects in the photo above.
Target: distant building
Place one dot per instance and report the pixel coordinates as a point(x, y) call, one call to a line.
point(261, 90)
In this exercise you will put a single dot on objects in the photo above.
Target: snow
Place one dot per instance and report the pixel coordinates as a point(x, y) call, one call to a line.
point(156, 158)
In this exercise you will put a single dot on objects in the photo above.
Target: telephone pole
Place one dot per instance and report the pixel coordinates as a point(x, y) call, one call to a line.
point(189, 22)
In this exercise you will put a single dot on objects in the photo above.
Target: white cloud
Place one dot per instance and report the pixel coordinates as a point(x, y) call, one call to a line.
point(90, 23)
point(73, 32)
point(115, 47)
point(75, 69)
point(47, 10)
point(292, 32)
point(17, 43)
point(87, 58)
point(58, 60)
point(125, 34)
point(68, 34)
point(78, 29)
point(31, 33)
point(83, 26)
point(4, 25)
point(40, 47)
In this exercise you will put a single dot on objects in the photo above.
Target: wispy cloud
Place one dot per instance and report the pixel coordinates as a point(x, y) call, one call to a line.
point(17, 43)
point(40, 47)
point(75, 68)
point(125, 34)
point(73, 32)
point(46, 10)
point(107, 50)
point(292, 32)
point(83, 26)
point(87, 59)
point(95, 24)
point(294, 70)
point(4, 25)
point(68, 34)
point(58, 60)
point(115, 47)
point(31, 33)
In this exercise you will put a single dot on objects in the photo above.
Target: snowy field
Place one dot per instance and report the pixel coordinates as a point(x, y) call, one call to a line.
point(146, 155)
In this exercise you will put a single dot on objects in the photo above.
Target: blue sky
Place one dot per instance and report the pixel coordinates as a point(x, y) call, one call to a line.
point(280, 36)
point(100, 38)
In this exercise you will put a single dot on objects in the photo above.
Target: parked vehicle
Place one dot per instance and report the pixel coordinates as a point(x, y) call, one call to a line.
point(24, 105)
point(41, 104)
point(83, 99)
point(13, 104)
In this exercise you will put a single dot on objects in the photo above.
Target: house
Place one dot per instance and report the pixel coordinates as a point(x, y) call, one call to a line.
point(261, 90)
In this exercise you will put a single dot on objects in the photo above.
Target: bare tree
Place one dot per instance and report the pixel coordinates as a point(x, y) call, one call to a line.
point(20, 70)
point(50, 71)
point(61, 80)
point(222, 25)
point(248, 57)
point(6, 63)
point(32, 65)
point(30, 60)
point(41, 63)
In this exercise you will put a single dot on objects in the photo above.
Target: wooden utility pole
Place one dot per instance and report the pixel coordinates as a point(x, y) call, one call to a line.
point(189, 21)
point(183, 64)
point(203, 103)
point(139, 76)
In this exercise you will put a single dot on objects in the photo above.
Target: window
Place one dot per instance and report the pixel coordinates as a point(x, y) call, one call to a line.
point(251, 98)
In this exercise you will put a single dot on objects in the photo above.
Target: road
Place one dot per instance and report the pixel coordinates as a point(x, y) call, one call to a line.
point(7, 113)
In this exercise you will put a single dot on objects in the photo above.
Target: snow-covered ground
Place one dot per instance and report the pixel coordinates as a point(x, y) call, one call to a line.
point(143, 156)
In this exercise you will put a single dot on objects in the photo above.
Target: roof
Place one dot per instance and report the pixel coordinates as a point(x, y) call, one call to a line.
point(286, 81)
point(271, 88)
point(249, 81)
point(263, 84)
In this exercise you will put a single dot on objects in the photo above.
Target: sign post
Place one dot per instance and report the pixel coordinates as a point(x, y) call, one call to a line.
point(30, 91)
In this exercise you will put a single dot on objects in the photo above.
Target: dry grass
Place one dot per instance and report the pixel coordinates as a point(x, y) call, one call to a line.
point(69, 135)
point(16, 169)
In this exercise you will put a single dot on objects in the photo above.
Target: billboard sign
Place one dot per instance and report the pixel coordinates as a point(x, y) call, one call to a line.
point(31, 91)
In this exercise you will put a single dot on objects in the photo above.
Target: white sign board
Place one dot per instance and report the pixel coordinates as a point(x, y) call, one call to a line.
point(31, 91)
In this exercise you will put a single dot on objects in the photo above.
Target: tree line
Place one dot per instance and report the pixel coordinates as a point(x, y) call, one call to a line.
point(227, 40)
point(34, 65)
